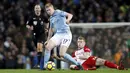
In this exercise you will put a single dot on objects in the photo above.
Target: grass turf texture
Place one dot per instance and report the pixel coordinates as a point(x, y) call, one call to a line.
point(63, 71)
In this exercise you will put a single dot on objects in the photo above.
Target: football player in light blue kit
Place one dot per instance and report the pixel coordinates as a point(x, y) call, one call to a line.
point(62, 37)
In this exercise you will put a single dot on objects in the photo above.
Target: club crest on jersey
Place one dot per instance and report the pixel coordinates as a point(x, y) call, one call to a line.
point(39, 18)
point(35, 22)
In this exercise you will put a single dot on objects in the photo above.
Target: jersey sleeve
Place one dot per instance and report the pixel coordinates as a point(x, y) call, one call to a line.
point(86, 49)
point(62, 13)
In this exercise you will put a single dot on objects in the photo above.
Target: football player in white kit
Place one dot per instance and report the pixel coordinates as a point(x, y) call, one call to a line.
point(89, 62)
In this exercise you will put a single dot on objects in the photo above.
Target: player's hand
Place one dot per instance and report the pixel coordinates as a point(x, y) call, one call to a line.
point(31, 28)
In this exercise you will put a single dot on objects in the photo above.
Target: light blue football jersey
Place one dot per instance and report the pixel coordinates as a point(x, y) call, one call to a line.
point(58, 22)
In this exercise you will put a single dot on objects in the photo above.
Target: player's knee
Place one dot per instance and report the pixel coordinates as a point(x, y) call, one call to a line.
point(50, 45)
point(47, 48)
point(101, 61)
point(39, 45)
point(63, 51)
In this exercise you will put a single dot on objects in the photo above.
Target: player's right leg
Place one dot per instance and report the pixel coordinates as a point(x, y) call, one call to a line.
point(66, 56)
point(50, 45)
point(109, 64)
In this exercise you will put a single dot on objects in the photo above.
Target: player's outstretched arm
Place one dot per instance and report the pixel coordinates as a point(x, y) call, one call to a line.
point(69, 17)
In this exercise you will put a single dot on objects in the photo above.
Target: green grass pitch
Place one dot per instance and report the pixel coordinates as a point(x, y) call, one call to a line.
point(63, 71)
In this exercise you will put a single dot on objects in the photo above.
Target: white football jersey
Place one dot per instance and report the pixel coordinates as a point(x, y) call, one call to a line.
point(79, 53)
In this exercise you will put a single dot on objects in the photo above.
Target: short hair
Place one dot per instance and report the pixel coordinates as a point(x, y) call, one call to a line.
point(81, 38)
point(48, 5)
point(37, 5)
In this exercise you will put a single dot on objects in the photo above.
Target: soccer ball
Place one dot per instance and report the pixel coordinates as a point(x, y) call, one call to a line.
point(50, 65)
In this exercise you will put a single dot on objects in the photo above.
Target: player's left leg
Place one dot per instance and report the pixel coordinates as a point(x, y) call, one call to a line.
point(35, 40)
point(109, 64)
point(64, 46)
point(39, 51)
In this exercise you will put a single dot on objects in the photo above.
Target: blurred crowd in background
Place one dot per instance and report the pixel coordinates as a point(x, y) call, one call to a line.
point(17, 49)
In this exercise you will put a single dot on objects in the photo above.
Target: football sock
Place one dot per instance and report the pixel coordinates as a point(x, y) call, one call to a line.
point(111, 65)
point(39, 54)
point(46, 56)
point(35, 60)
point(42, 62)
point(68, 57)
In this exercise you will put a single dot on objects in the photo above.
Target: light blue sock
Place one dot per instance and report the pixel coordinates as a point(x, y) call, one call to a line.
point(46, 56)
point(68, 57)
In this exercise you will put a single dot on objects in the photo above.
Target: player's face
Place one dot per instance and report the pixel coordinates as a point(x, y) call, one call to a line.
point(37, 10)
point(50, 10)
point(80, 43)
